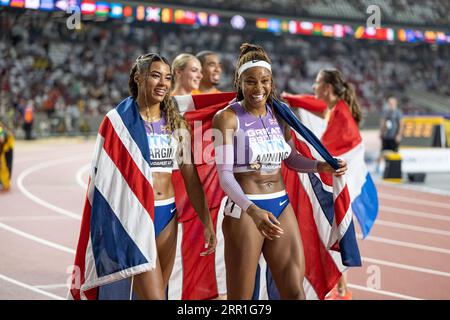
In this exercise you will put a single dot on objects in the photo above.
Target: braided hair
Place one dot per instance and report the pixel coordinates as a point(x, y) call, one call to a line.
point(142, 66)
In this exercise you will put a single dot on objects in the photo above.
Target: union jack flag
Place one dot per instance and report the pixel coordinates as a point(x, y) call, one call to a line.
point(117, 236)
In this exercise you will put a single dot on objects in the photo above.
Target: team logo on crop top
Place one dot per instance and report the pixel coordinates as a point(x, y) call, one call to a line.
point(165, 129)
point(268, 155)
point(273, 121)
point(162, 150)
point(162, 145)
point(267, 148)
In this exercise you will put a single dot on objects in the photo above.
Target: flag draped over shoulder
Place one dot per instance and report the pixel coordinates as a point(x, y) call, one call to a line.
point(342, 138)
point(117, 236)
point(324, 219)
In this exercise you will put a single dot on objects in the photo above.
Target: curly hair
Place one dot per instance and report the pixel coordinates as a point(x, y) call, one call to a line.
point(142, 66)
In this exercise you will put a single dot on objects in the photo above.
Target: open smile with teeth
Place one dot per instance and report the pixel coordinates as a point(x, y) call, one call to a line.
point(160, 92)
point(258, 97)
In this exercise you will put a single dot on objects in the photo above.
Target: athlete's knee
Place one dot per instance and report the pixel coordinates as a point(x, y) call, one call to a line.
point(151, 294)
point(296, 294)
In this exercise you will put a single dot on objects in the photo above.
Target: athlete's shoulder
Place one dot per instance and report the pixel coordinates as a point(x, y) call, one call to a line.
point(225, 118)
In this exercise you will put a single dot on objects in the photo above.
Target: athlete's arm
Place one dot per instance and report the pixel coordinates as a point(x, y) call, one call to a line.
point(297, 162)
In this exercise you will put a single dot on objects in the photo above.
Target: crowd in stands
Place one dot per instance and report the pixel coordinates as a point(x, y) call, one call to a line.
point(75, 74)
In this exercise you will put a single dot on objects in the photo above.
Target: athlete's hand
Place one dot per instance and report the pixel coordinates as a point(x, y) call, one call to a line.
point(210, 241)
point(265, 221)
point(324, 167)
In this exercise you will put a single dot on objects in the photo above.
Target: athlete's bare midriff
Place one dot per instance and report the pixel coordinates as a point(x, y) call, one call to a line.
point(162, 185)
point(257, 182)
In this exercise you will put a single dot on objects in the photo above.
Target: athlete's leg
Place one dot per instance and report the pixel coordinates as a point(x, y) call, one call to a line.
point(166, 243)
point(150, 285)
point(285, 257)
point(243, 244)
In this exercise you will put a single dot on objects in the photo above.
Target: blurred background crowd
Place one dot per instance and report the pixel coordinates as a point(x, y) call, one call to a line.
point(67, 76)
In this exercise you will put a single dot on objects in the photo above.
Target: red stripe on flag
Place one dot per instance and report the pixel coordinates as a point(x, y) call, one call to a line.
point(199, 274)
point(307, 102)
point(341, 205)
point(78, 274)
point(205, 164)
point(210, 99)
point(304, 150)
point(342, 133)
point(127, 167)
point(320, 268)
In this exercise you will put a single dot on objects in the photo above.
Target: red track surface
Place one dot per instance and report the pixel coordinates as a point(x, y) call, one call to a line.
point(406, 256)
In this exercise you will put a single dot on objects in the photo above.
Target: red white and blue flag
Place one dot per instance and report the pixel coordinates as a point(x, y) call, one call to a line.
point(321, 203)
point(341, 136)
point(117, 237)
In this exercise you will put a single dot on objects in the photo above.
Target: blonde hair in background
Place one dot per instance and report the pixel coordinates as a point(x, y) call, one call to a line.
point(180, 62)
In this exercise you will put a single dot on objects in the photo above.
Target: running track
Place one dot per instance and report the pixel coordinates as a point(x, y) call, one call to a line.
point(407, 255)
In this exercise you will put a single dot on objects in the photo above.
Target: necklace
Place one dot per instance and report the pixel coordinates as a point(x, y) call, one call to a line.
point(150, 119)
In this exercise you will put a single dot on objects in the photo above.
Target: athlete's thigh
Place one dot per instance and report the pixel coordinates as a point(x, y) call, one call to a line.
point(166, 243)
point(285, 256)
point(243, 244)
point(150, 285)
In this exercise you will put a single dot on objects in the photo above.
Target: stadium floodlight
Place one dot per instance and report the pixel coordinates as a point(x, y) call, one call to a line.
point(214, 20)
point(32, 4)
point(238, 22)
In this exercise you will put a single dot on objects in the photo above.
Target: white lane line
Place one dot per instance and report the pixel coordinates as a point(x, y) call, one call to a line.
point(411, 227)
point(40, 201)
point(445, 205)
point(79, 176)
point(416, 188)
point(382, 292)
point(370, 260)
point(406, 267)
point(32, 218)
point(405, 244)
point(52, 286)
point(26, 286)
point(414, 213)
point(37, 239)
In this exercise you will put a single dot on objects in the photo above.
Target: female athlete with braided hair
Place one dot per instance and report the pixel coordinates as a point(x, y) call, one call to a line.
point(150, 87)
point(258, 216)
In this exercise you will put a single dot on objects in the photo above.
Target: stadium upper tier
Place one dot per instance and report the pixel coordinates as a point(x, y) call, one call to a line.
point(401, 12)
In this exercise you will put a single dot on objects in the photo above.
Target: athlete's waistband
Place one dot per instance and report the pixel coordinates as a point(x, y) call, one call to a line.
point(165, 202)
point(268, 196)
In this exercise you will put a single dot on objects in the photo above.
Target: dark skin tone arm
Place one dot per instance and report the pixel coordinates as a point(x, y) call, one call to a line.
point(254, 182)
point(322, 166)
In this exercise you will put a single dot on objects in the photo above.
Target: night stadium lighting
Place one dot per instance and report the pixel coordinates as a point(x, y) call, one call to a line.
point(238, 22)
